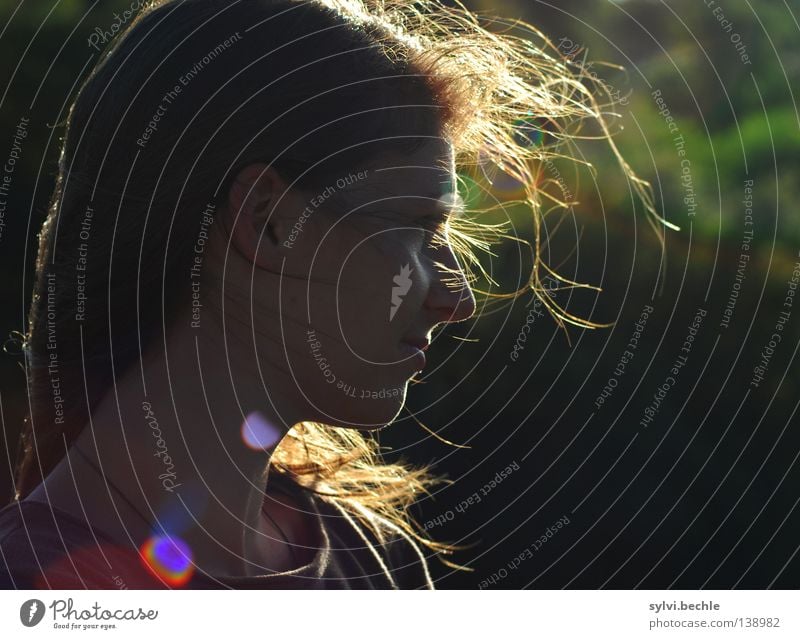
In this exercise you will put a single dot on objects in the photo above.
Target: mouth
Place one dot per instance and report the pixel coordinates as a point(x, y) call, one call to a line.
point(413, 350)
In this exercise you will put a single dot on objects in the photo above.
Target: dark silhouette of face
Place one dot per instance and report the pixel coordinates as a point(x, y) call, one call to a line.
point(367, 272)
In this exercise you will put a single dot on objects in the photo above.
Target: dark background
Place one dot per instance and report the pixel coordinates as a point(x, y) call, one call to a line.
point(706, 495)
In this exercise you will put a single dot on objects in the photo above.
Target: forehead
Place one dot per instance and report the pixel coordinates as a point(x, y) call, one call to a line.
point(425, 175)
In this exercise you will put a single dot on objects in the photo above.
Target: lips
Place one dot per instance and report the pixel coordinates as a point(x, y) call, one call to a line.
point(417, 342)
point(414, 352)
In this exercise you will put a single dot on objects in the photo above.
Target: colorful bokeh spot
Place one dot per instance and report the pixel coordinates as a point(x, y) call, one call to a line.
point(258, 433)
point(169, 558)
point(499, 183)
point(528, 132)
point(470, 191)
point(452, 203)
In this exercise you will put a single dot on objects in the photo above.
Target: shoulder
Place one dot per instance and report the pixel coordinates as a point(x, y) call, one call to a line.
point(409, 563)
point(389, 556)
point(43, 548)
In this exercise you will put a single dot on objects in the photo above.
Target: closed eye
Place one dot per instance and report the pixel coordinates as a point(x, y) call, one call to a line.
point(432, 222)
point(435, 227)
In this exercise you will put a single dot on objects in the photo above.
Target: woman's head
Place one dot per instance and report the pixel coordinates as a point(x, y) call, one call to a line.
point(283, 171)
point(201, 118)
point(342, 287)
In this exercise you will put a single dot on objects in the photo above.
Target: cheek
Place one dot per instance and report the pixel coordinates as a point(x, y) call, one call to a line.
point(365, 288)
point(362, 378)
point(372, 273)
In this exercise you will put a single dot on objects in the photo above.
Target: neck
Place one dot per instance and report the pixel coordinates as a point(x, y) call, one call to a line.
point(168, 438)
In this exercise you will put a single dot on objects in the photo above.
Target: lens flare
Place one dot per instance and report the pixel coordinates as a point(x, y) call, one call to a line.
point(501, 185)
point(258, 432)
point(168, 558)
point(470, 192)
point(528, 132)
point(177, 516)
point(452, 202)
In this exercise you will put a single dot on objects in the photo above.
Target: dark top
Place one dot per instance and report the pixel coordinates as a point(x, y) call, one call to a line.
point(45, 548)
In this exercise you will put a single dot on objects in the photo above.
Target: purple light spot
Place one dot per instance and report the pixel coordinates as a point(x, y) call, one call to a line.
point(258, 432)
point(172, 554)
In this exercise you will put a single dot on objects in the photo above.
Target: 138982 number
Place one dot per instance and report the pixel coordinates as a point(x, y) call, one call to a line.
point(762, 622)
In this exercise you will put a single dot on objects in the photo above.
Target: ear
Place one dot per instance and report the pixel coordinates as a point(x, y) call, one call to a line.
point(259, 206)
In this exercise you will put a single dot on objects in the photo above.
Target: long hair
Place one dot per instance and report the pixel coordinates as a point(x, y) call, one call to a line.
point(194, 90)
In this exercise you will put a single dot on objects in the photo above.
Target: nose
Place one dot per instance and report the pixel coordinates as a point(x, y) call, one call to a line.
point(450, 297)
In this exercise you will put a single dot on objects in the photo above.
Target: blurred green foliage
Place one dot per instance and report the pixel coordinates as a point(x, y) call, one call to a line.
point(738, 121)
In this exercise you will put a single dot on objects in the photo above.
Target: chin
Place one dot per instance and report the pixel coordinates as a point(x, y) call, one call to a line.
point(366, 410)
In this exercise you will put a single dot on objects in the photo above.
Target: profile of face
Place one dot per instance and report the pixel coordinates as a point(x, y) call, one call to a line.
point(348, 283)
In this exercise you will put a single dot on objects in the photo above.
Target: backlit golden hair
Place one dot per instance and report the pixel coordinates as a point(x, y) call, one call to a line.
point(494, 88)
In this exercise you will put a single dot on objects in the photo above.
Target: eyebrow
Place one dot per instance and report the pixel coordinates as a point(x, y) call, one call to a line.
point(439, 208)
point(453, 207)
point(440, 205)
point(431, 195)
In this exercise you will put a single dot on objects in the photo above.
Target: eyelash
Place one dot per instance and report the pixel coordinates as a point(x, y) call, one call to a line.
point(432, 222)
